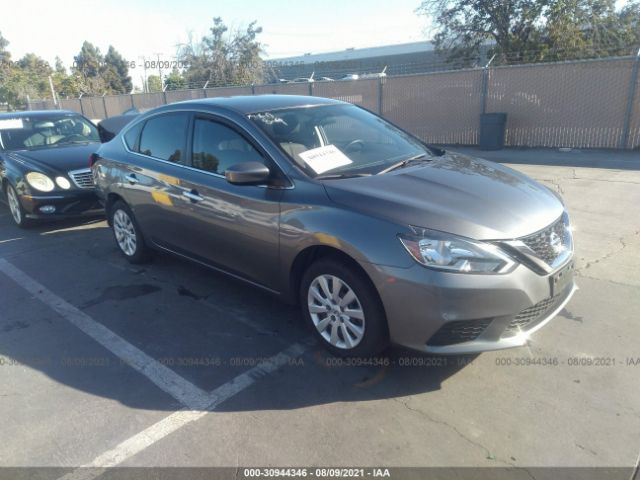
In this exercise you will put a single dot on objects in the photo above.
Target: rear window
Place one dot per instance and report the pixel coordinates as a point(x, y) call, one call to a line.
point(165, 137)
point(132, 135)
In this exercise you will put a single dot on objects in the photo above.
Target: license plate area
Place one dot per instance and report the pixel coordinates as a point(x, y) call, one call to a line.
point(561, 279)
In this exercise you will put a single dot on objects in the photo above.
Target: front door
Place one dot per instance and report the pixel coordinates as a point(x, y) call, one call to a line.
point(233, 227)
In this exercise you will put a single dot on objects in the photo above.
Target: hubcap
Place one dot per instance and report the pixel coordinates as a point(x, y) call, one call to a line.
point(14, 205)
point(125, 232)
point(336, 311)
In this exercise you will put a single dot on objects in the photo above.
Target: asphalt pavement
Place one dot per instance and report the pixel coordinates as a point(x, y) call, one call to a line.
point(171, 365)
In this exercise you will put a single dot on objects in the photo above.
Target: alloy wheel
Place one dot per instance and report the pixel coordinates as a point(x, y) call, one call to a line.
point(125, 232)
point(14, 205)
point(336, 311)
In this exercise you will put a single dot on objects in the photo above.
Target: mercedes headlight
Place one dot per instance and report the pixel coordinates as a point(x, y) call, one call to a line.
point(40, 181)
point(442, 251)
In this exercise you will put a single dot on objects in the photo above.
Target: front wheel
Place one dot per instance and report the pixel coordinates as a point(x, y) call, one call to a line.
point(343, 309)
point(17, 212)
point(127, 234)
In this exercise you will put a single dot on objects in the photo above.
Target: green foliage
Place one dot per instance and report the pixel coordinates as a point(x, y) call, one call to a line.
point(92, 74)
point(225, 57)
point(154, 84)
point(175, 80)
point(97, 75)
point(532, 30)
point(118, 69)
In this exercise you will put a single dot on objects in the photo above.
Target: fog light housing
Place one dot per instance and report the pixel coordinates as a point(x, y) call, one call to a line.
point(47, 209)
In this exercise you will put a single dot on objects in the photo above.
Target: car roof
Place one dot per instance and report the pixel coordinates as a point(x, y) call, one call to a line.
point(36, 113)
point(260, 103)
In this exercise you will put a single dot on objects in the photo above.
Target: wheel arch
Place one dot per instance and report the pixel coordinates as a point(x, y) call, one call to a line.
point(112, 198)
point(306, 257)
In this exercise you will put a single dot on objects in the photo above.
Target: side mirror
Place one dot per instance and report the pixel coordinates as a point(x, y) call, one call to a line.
point(247, 173)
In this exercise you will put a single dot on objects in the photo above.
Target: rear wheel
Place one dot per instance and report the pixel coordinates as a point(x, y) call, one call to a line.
point(17, 212)
point(343, 309)
point(127, 234)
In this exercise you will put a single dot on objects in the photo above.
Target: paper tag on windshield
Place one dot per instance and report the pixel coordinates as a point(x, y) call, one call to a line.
point(11, 124)
point(325, 158)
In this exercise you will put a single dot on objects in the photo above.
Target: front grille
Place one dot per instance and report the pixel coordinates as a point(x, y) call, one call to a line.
point(82, 178)
point(550, 243)
point(459, 331)
point(529, 317)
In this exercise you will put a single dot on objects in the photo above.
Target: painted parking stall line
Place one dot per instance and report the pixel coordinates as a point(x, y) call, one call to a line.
point(166, 379)
point(196, 401)
point(181, 418)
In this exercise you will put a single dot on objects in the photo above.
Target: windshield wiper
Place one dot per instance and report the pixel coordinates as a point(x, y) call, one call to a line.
point(332, 176)
point(405, 163)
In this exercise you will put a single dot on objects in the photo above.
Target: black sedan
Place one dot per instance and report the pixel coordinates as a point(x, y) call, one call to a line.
point(44, 165)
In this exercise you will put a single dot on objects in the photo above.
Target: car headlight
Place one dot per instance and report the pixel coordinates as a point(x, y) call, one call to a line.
point(63, 183)
point(446, 252)
point(40, 181)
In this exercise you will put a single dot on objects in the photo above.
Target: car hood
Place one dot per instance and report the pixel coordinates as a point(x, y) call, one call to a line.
point(456, 194)
point(56, 160)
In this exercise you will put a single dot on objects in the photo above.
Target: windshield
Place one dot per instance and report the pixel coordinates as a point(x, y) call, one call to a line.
point(40, 131)
point(335, 140)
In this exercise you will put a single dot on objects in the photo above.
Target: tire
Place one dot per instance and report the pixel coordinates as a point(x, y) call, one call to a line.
point(362, 319)
point(127, 234)
point(15, 207)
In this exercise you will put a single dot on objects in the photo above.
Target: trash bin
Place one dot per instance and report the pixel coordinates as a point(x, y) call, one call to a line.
point(492, 128)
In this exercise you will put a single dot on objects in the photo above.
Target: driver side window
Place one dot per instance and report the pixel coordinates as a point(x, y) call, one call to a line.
point(216, 147)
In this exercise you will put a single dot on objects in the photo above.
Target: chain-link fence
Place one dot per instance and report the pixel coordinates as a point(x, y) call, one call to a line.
point(579, 104)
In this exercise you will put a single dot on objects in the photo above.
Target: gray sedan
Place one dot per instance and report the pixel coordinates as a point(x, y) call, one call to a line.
point(379, 237)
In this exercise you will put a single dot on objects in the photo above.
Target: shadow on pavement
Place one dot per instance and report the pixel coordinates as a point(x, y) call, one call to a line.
point(38, 339)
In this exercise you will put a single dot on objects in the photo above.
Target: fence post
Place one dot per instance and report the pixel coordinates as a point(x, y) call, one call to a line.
point(253, 89)
point(485, 85)
point(311, 89)
point(633, 82)
point(380, 95)
point(81, 106)
point(133, 104)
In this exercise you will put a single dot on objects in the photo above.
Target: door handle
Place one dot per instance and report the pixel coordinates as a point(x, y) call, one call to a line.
point(193, 196)
point(131, 178)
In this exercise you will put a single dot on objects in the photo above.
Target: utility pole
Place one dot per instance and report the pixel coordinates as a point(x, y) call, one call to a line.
point(159, 68)
point(145, 85)
point(53, 92)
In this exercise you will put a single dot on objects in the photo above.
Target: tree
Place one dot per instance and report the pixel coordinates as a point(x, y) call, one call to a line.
point(88, 62)
point(96, 74)
point(224, 57)
point(64, 84)
point(154, 84)
point(531, 30)
point(117, 69)
point(35, 72)
point(12, 79)
point(175, 80)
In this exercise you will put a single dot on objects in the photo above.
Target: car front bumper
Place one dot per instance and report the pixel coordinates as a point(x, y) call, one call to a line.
point(64, 204)
point(448, 313)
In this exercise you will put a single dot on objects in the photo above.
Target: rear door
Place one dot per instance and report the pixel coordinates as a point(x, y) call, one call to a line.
point(234, 227)
point(151, 183)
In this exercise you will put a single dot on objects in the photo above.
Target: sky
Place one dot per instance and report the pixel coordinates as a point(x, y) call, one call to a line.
point(148, 27)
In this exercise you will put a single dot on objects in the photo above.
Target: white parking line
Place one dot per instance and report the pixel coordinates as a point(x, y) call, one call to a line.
point(186, 393)
point(179, 419)
point(10, 239)
point(197, 402)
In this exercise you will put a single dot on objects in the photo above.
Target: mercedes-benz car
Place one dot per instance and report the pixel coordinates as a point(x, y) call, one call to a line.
point(379, 237)
point(44, 165)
